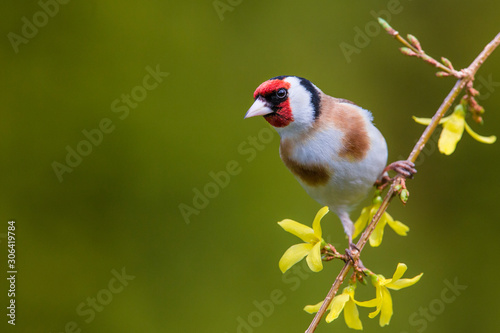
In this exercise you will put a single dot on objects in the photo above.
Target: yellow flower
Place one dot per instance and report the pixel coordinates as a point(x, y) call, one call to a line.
point(453, 128)
point(312, 246)
point(376, 237)
point(383, 300)
point(344, 301)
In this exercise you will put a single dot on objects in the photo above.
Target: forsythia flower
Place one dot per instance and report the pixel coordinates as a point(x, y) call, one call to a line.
point(312, 246)
point(376, 237)
point(344, 301)
point(453, 128)
point(383, 300)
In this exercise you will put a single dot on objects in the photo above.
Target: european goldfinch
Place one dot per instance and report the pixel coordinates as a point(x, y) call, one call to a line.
point(329, 144)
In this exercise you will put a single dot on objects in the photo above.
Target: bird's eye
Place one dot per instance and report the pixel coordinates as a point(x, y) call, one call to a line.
point(281, 93)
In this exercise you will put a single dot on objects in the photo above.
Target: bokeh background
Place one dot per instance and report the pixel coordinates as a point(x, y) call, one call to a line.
point(118, 211)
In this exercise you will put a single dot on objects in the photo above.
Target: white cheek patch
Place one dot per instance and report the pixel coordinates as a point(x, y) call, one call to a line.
point(300, 102)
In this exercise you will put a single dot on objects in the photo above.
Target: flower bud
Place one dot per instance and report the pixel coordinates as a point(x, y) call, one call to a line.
point(404, 195)
point(414, 41)
point(446, 62)
point(477, 118)
point(473, 91)
point(377, 200)
point(442, 74)
point(407, 51)
point(387, 27)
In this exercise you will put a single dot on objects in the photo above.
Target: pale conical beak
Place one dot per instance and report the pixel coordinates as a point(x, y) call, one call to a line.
point(259, 108)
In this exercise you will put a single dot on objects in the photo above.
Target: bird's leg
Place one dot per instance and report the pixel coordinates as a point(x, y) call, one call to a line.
point(349, 230)
point(351, 250)
point(348, 226)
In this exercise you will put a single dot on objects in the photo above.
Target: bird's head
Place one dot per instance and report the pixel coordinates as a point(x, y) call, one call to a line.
point(287, 102)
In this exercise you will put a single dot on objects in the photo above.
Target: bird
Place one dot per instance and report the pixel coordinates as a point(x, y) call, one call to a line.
point(329, 144)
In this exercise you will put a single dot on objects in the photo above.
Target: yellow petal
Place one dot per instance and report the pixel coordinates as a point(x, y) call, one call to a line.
point(293, 255)
point(483, 139)
point(336, 307)
point(427, 121)
point(368, 304)
point(317, 221)
point(314, 258)
point(377, 310)
point(361, 222)
point(298, 229)
point(403, 283)
point(400, 270)
point(399, 227)
point(313, 308)
point(351, 316)
point(422, 121)
point(378, 233)
point(452, 132)
point(379, 298)
point(386, 309)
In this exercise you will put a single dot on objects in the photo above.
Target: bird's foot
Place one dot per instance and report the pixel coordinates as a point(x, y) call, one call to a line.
point(352, 253)
point(360, 267)
point(404, 168)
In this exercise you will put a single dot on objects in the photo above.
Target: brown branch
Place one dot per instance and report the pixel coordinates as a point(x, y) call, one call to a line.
point(469, 73)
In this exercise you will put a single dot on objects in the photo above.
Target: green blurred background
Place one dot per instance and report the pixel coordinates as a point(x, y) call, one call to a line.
point(117, 211)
